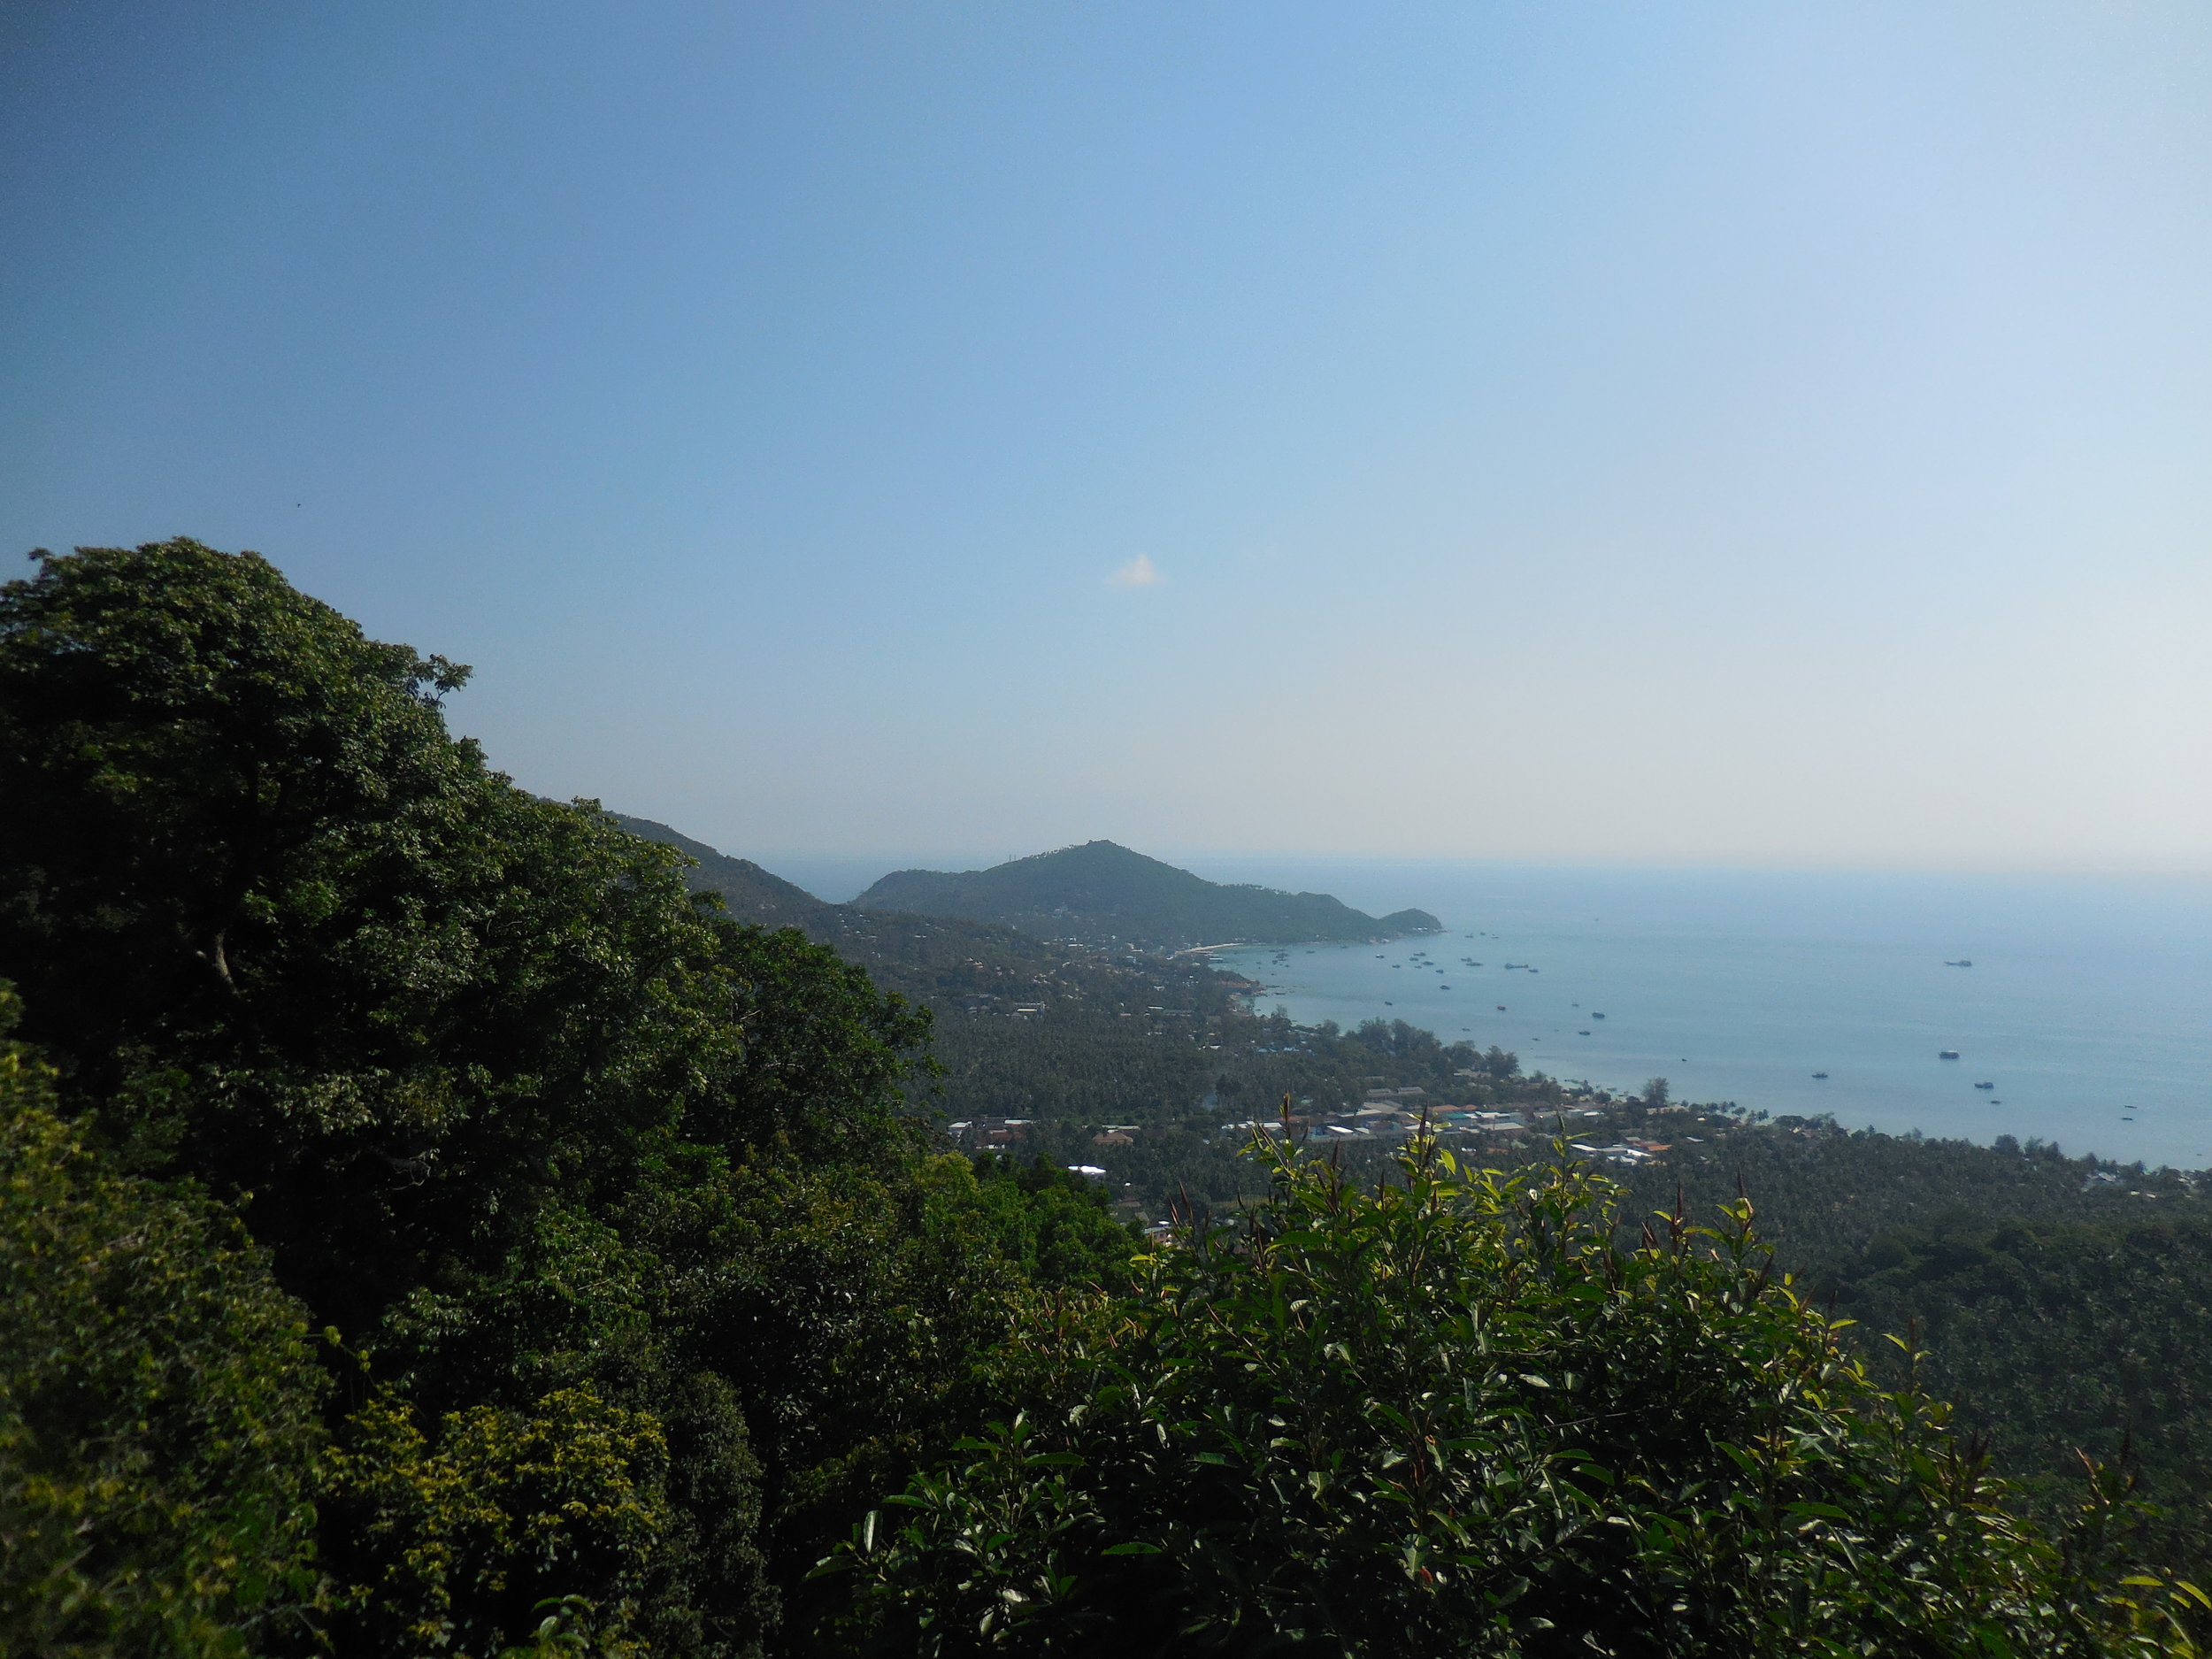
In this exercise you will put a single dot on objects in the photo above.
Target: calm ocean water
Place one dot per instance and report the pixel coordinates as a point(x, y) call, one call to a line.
point(2088, 1005)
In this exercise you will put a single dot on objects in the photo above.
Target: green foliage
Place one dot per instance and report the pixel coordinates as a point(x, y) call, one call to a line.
point(158, 1409)
point(1454, 1416)
point(287, 935)
point(1052, 1224)
point(567, 1629)
point(845, 1308)
point(506, 1105)
point(2058, 1300)
point(2058, 1340)
point(1826, 1196)
point(467, 1536)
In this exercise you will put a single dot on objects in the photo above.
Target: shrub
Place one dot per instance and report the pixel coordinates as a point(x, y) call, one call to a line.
point(1453, 1416)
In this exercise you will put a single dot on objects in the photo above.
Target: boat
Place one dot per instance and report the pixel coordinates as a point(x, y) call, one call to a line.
point(1597, 1017)
point(1963, 962)
point(1820, 1074)
point(1984, 1086)
point(1582, 1034)
point(1502, 1007)
point(1948, 1053)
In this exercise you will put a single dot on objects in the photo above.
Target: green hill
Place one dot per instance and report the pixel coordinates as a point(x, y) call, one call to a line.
point(1101, 892)
point(921, 957)
point(752, 894)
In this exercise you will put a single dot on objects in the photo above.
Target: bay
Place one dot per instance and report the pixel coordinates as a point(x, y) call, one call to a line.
point(2088, 1005)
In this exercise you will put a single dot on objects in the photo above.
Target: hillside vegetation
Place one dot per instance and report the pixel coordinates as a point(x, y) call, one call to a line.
point(427, 1226)
point(2063, 1313)
point(1102, 893)
point(747, 891)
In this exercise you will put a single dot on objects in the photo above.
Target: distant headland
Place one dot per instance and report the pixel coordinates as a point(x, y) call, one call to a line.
point(1103, 893)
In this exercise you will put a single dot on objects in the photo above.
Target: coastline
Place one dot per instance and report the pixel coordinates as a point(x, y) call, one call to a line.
point(2083, 1010)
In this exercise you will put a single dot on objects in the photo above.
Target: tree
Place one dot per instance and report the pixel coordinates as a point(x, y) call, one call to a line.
point(287, 935)
point(1453, 1416)
point(538, 1133)
point(159, 1408)
point(1051, 1222)
point(465, 1537)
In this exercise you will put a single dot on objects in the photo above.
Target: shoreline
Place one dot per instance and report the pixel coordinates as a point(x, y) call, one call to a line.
point(1725, 1014)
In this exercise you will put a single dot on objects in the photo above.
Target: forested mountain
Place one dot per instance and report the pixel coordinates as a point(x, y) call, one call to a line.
point(427, 1226)
point(751, 893)
point(1102, 893)
point(1023, 1027)
point(911, 948)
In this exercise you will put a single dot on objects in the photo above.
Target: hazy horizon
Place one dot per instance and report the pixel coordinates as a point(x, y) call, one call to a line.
point(1713, 435)
point(1392, 881)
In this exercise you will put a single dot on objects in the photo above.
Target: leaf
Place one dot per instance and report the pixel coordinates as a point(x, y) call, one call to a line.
point(1825, 1511)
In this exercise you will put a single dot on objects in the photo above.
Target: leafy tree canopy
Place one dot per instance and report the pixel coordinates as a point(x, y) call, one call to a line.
point(562, 1153)
point(158, 1409)
point(291, 937)
point(1452, 1416)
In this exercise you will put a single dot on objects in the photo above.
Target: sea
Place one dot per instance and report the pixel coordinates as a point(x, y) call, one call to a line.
point(2088, 1007)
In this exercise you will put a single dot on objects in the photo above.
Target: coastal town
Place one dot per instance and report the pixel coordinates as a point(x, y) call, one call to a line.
point(1595, 1123)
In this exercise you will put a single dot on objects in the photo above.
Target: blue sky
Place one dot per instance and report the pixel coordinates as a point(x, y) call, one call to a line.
point(1718, 432)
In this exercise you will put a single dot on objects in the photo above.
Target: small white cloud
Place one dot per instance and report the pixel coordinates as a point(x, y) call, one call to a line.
point(1138, 573)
